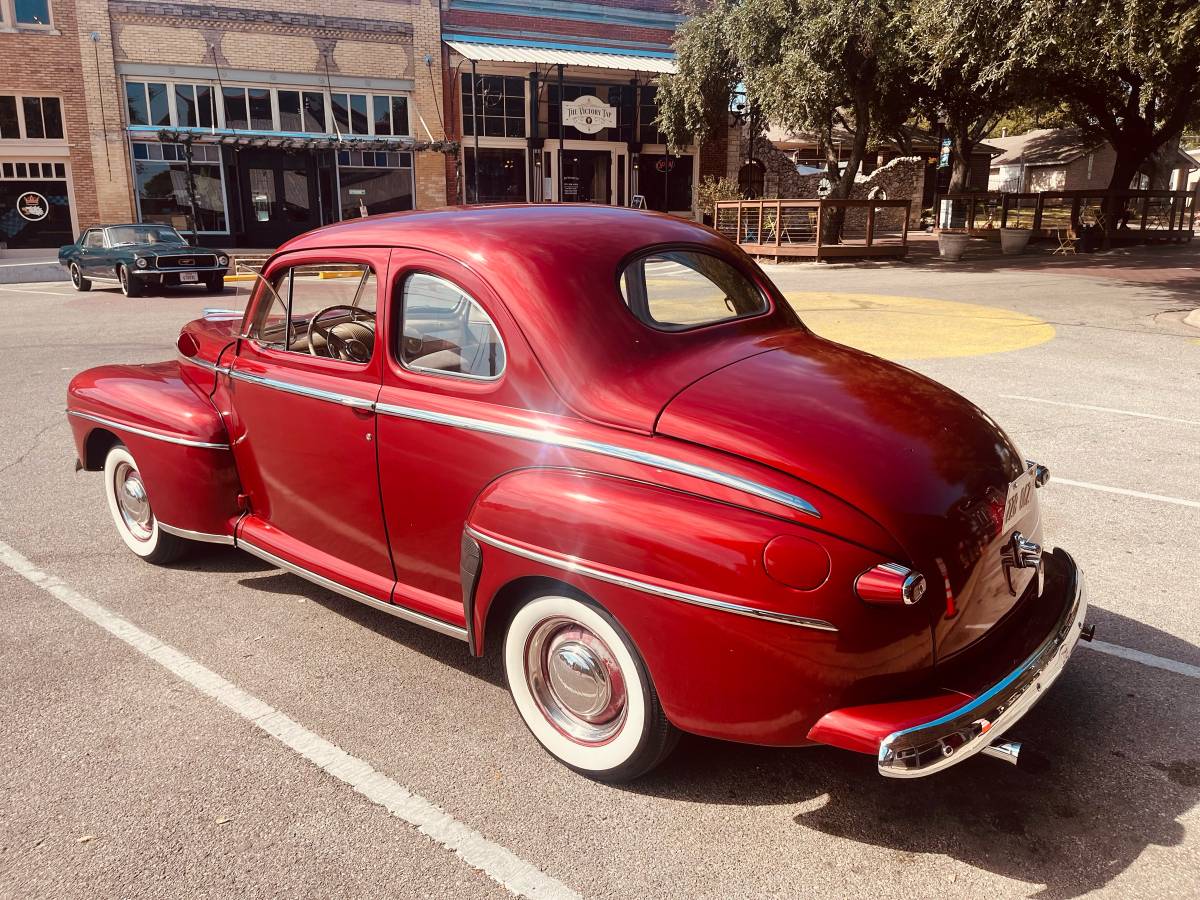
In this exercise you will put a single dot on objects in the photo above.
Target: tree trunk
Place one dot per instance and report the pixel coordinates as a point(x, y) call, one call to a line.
point(961, 148)
point(834, 218)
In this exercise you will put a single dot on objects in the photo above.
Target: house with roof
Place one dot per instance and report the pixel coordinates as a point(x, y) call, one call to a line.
point(1062, 159)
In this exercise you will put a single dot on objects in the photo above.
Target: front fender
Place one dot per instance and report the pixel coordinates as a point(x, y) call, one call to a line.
point(685, 577)
point(173, 431)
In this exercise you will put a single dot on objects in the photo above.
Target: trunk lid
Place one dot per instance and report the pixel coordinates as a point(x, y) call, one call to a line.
point(925, 463)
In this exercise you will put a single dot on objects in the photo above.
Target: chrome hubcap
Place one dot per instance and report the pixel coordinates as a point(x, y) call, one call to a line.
point(575, 680)
point(132, 501)
point(75, 274)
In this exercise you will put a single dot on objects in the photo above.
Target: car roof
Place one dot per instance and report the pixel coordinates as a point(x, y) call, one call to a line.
point(556, 269)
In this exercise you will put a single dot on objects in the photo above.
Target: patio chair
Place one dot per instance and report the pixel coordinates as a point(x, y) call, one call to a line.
point(1066, 241)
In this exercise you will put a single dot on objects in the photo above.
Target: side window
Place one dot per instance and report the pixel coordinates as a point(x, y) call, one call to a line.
point(675, 290)
point(325, 310)
point(445, 331)
point(94, 239)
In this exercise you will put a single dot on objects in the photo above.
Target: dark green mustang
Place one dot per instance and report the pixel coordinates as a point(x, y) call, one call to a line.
point(140, 257)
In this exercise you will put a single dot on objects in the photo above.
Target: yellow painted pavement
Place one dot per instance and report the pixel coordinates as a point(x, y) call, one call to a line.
point(917, 327)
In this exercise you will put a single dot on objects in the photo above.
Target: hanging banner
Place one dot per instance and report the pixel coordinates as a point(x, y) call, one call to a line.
point(588, 114)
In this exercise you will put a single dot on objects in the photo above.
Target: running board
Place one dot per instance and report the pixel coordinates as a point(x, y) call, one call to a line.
point(391, 609)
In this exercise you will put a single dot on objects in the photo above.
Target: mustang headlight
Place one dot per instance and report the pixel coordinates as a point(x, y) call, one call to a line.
point(223, 260)
point(142, 262)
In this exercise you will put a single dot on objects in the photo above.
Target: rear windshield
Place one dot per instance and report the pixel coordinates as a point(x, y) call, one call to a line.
point(674, 290)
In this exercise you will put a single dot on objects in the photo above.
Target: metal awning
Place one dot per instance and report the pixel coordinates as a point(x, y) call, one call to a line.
point(554, 56)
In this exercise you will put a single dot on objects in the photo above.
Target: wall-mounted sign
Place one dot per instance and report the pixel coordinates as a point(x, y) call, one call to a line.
point(824, 188)
point(944, 158)
point(588, 114)
point(33, 206)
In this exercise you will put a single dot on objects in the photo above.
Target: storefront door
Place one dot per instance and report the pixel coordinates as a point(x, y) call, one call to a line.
point(279, 195)
point(586, 176)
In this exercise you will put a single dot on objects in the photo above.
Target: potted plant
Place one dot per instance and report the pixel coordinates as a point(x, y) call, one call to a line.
point(952, 244)
point(710, 190)
point(1014, 240)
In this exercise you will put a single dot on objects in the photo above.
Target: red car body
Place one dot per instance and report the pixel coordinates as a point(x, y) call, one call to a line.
point(745, 499)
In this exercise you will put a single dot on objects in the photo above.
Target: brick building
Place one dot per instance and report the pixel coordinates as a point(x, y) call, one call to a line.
point(48, 168)
point(556, 101)
point(253, 119)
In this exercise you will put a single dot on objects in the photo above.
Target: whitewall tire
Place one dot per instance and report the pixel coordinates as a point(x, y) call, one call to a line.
point(129, 504)
point(583, 691)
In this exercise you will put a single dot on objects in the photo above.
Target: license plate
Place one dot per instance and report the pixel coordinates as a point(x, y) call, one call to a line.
point(1020, 495)
point(189, 276)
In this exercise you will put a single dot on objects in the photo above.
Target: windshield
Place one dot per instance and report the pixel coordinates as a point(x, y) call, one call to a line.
point(144, 234)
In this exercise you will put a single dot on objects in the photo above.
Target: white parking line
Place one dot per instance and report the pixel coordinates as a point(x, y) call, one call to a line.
point(1146, 659)
point(507, 869)
point(1105, 409)
point(1161, 498)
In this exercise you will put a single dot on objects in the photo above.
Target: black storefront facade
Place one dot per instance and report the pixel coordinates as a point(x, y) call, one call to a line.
point(577, 126)
point(251, 165)
point(37, 209)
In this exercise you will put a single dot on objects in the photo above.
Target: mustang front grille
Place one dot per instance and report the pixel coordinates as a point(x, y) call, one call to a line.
point(186, 261)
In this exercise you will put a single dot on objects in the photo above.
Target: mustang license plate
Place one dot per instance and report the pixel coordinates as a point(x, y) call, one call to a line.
point(1020, 494)
point(189, 276)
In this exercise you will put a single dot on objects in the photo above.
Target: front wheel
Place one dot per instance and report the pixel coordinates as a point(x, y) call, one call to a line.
point(77, 280)
point(215, 284)
point(130, 507)
point(583, 691)
point(129, 285)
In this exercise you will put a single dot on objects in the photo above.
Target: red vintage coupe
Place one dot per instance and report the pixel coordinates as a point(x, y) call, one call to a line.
point(599, 443)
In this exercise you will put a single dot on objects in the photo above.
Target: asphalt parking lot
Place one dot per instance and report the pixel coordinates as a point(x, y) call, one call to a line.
point(133, 762)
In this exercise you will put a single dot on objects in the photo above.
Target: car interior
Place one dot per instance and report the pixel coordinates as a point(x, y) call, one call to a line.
point(444, 330)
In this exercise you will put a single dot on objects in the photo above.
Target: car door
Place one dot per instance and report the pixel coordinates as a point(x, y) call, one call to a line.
point(92, 252)
point(453, 354)
point(302, 424)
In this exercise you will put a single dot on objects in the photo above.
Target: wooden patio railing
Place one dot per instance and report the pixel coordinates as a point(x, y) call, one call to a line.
point(1139, 216)
point(783, 228)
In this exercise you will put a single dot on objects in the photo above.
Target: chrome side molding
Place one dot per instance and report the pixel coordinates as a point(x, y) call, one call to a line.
point(571, 564)
point(202, 536)
point(133, 429)
point(400, 612)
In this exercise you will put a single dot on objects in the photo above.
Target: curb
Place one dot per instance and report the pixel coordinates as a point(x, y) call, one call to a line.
point(30, 272)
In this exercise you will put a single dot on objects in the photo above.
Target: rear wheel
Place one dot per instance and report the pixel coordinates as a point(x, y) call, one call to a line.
point(583, 690)
point(80, 283)
point(129, 285)
point(130, 507)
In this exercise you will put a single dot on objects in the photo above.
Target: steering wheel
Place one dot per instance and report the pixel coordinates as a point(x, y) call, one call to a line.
point(350, 348)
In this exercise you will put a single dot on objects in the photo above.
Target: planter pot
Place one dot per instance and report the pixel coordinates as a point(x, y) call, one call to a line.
point(1013, 240)
point(952, 244)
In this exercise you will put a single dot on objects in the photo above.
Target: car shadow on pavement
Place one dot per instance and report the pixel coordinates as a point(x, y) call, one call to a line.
point(1122, 767)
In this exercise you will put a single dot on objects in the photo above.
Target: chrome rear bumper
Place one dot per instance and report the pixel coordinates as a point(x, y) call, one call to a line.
point(943, 742)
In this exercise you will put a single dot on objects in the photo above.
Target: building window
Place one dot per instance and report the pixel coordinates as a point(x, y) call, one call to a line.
point(374, 181)
point(36, 118)
point(390, 115)
point(237, 116)
point(160, 171)
point(501, 110)
point(648, 132)
point(148, 103)
point(44, 170)
point(665, 181)
point(501, 176)
point(194, 106)
point(32, 12)
point(350, 113)
point(10, 125)
point(261, 117)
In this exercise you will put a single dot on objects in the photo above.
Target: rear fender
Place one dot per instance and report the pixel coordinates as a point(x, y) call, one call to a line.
point(173, 431)
point(685, 577)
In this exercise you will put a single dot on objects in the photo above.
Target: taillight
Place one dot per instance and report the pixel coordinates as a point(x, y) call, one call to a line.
point(890, 583)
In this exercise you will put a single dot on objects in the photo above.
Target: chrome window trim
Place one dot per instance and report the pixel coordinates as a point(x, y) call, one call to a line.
point(423, 370)
point(202, 536)
point(547, 436)
point(132, 429)
point(400, 612)
point(542, 436)
point(572, 564)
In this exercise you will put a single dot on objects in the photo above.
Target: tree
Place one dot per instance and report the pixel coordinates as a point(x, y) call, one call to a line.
point(957, 44)
point(1129, 72)
point(803, 65)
